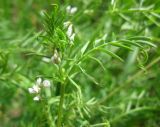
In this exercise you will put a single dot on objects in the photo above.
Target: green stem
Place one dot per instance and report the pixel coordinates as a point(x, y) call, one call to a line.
point(60, 110)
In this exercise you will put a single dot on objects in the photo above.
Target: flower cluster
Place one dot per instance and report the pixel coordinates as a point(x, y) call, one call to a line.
point(37, 88)
point(70, 32)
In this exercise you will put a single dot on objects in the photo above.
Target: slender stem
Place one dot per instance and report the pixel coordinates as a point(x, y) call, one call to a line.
point(60, 110)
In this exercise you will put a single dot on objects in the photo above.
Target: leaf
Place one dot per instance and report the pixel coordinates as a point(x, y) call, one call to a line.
point(139, 38)
point(98, 61)
point(89, 76)
point(83, 49)
point(147, 43)
point(131, 43)
point(112, 54)
point(120, 45)
point(75, 84)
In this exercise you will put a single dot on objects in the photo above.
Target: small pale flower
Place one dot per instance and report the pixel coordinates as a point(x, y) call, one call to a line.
point(31, 90)
point(39, 81)
point(66, 24)
point(36, 88)
point(46, 83)
point(68, 8)
point(70, 30)
point(72, 37)
point(36, 98)
point(71, 10)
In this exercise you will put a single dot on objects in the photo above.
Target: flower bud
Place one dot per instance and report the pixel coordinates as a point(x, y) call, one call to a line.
point(70, 30)
point(39, 81)
point(55, 58)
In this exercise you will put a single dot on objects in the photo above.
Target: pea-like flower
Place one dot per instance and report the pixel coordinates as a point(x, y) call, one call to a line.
point(46, 83)
point(34, 89)
point(70, 32)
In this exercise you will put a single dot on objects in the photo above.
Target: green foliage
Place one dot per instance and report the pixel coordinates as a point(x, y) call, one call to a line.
point(101, 58)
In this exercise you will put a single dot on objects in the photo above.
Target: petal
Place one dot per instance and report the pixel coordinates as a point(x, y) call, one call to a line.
point(31, 90)
point(73, 10)
point(36, 98)
point(66, 24)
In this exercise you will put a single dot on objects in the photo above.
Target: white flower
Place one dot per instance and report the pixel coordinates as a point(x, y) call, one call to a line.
point(39, 81)
point(36, 98)
point(66, 24)
point(31, 90)
point(72, 37)
point(46, 83)
point(70, 30)
point(68, 8)
point(36, 88)
point(71, 10)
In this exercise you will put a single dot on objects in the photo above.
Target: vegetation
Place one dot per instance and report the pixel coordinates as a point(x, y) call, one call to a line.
point(83, 63)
